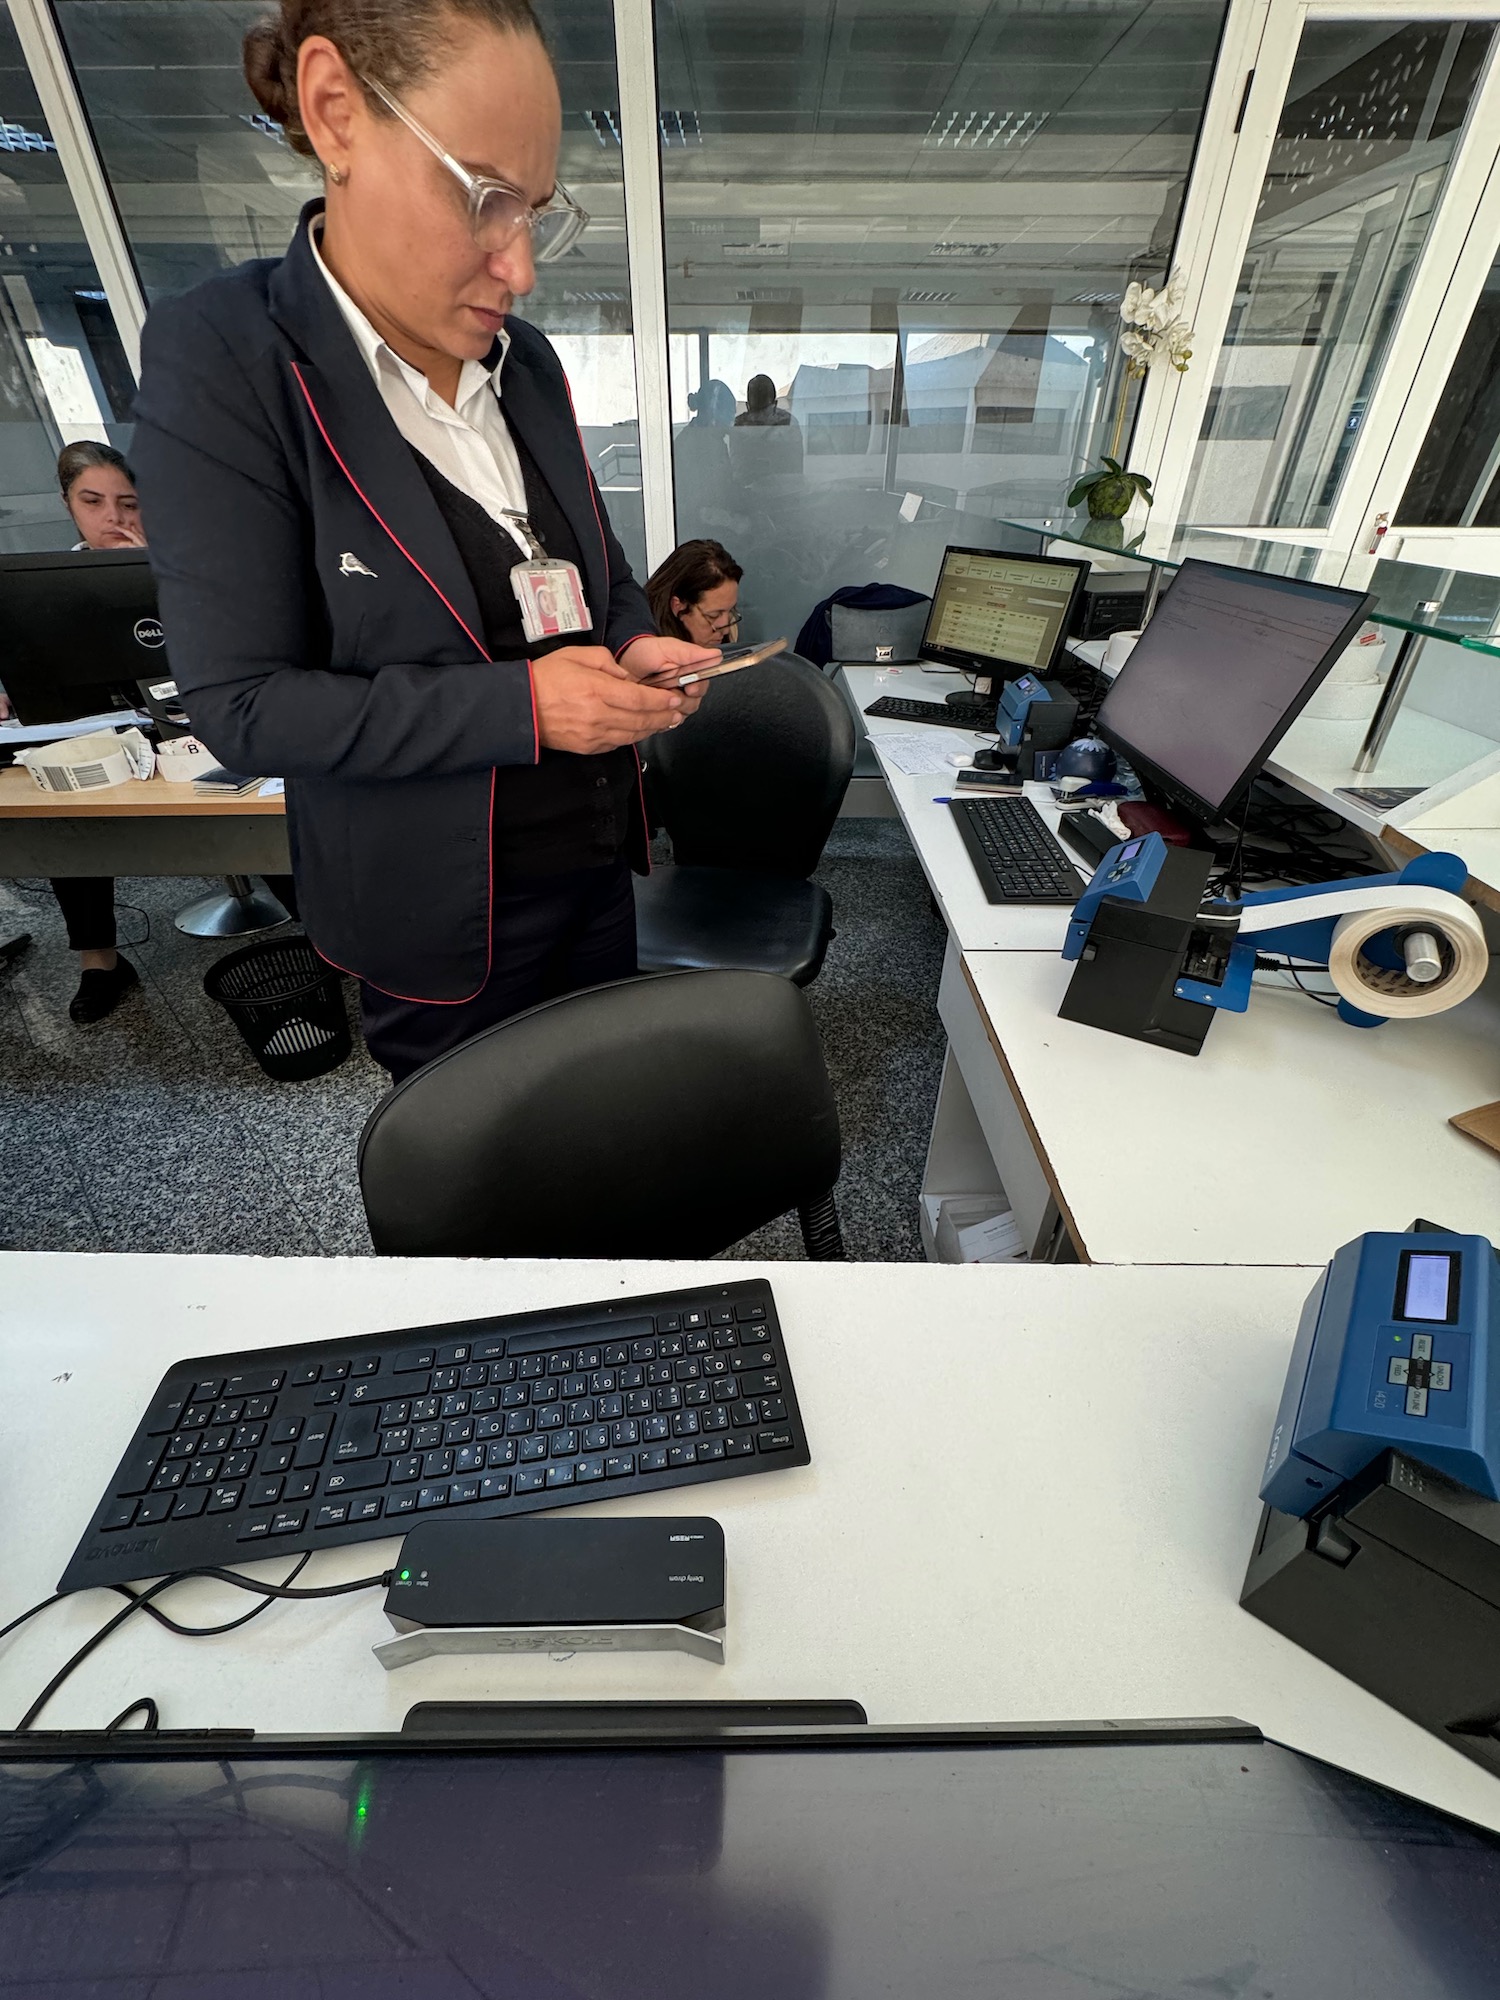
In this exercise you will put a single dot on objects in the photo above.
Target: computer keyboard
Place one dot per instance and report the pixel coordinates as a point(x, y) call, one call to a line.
point(1014, 854)
point(958, 715)
point(254, 1454)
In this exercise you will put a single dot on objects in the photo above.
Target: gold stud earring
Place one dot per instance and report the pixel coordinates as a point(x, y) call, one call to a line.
point(338, 175)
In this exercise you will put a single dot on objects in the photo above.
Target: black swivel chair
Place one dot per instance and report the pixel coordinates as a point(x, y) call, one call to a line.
point(657, 1117)
point(748, 792)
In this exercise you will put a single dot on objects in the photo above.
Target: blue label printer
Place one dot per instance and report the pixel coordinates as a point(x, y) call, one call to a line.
point(1034, 716)
point(1379, 1546)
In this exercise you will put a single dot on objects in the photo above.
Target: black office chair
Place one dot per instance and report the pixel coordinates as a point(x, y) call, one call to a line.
point(748, 792)
point(657, 1117)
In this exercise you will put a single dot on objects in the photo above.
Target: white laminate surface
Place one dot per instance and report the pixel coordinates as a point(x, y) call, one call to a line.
point(1286, 1136)
point(976, 923)
point(1032, 1497)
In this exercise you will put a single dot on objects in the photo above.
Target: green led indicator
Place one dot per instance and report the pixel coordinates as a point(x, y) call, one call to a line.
point(359, 1825)
point(406, 1576)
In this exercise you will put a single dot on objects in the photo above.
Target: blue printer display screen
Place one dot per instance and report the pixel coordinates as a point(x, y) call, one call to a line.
point(1427, 1286)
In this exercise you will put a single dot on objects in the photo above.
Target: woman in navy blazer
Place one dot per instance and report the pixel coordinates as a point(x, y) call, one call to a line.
point(317, 452)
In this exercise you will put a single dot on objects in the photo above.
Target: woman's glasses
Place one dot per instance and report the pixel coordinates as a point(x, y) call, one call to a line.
point(498, 212)
point(726, 623)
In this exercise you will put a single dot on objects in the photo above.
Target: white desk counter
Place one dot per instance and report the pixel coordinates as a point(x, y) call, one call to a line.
point(1047, 1517)
point(1286, 1136)
point(976, 924)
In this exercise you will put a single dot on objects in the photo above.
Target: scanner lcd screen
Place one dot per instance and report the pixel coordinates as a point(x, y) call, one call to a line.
point(832, 1873)
point(1427, 1286)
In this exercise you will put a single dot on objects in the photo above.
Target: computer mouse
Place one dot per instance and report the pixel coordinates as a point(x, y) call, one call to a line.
point(961, 758)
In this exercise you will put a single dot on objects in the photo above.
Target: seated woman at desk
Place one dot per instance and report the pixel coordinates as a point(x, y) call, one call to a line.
point(695, 594)
point(98, 490)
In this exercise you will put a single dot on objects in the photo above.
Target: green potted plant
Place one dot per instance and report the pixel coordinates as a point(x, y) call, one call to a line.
point(1153, 330)
point(1111, 493)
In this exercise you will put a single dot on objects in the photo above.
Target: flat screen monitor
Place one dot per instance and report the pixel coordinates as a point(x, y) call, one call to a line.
point(830, 1872)
point(1001, 615)
point(77, 631)
point(1224, 668)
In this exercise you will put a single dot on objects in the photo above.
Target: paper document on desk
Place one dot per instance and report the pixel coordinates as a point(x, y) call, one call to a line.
point(15, 733)
point(272, 788)
point(918, 752)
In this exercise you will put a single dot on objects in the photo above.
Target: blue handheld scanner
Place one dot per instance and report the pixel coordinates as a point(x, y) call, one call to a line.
point(1014, 707)
point(1128, 871)
point(1396, 1350)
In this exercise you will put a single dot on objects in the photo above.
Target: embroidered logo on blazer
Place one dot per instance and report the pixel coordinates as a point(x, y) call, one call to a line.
point(350, 565)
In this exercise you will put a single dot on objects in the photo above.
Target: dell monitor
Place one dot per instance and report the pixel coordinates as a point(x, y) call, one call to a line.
point(1001, 615)
point(78, 631)
point(1227, 663)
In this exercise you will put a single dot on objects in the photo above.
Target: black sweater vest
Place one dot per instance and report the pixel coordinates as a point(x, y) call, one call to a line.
point(566, 811)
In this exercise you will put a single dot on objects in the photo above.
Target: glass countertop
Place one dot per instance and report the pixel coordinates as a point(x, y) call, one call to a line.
point(1457, 605)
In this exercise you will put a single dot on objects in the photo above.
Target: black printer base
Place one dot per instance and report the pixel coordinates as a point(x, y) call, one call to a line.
point(1397, 1586)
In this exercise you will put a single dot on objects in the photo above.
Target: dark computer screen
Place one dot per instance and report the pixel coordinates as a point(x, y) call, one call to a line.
point(77, 630)
point(1220, 674)
point(995, 613)
point(1072, 1872)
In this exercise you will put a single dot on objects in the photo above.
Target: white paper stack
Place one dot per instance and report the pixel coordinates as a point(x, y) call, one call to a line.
point(977, 1229)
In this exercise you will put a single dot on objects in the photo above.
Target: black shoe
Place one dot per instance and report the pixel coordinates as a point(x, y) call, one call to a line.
point(99, 993)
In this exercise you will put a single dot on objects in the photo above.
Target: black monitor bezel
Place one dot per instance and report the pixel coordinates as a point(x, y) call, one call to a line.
point(982, 663)
point(1207, 809)
point(680, 1733)
point(41, 698)
point(79, 559)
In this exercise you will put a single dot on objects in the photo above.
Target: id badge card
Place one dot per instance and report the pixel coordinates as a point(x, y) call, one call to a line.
point(550, 595)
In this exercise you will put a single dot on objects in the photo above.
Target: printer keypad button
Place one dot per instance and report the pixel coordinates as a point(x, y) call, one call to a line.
point(1441, 1376)
point(1416, 1402)
point(1398, 1370)
point(1421, 1347)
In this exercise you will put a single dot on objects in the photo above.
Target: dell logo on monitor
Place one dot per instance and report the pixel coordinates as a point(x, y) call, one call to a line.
point(148, 631)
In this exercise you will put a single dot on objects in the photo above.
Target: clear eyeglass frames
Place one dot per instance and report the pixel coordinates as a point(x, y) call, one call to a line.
point(498, 212)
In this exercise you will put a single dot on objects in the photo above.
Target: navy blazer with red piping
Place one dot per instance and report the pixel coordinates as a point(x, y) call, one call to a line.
point(320, 623)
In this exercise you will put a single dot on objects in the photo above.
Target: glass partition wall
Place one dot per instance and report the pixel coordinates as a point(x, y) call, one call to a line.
point(63, 370)
point(894, 238)
point(203, 181)
point(896, 241)
point(1364, 144)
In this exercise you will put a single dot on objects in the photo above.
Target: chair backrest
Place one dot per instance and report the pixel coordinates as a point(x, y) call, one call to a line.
point(657, 1117)
point(756, 779)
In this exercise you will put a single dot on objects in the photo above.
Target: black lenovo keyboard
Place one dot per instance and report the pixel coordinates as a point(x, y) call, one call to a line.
point(960, 715)
point(254, 1454)
point(1014, 854)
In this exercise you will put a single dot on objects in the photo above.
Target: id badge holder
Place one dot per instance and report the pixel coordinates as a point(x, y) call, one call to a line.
point(549, 592)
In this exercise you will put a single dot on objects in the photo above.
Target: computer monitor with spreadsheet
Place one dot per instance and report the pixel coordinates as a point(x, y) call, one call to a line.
point(1226, 665)
point(1000, 614)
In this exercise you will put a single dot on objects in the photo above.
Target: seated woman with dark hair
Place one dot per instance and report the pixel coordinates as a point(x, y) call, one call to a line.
point(695, 594)
point(98, 490)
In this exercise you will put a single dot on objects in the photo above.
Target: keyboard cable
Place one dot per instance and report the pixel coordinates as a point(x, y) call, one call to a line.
point(142, 1601)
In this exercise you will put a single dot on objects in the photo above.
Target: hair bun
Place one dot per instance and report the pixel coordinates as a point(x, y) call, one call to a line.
point(270, 64)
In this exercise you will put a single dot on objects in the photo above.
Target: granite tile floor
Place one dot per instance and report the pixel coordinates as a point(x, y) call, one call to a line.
point(156, 1131)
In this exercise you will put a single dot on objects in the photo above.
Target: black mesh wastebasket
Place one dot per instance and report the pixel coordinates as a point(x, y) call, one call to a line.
point(288, 1005)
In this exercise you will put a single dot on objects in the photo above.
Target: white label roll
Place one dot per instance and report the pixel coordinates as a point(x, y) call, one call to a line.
point(1393, 994)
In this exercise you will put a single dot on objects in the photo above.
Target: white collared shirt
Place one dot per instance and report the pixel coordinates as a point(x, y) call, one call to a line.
point(469, 442)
